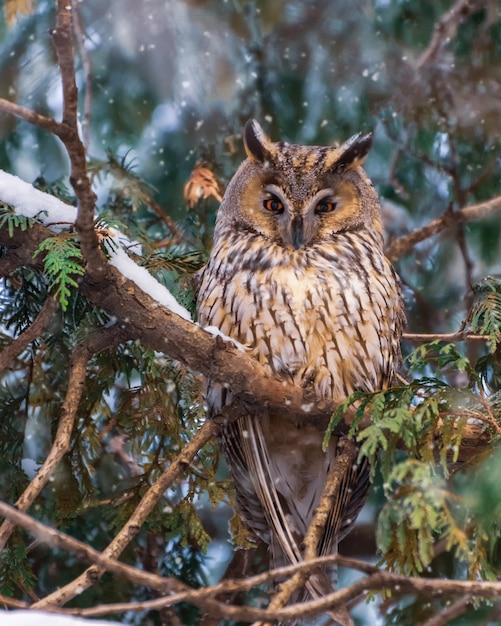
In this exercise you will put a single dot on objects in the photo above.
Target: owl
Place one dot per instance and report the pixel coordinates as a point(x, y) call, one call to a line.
point(297, 274)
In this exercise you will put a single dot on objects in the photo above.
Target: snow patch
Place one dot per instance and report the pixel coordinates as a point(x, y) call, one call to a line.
point(147, 283)
point(40, 618)
point(57, 215)
point(31, 202)
point(214, 330)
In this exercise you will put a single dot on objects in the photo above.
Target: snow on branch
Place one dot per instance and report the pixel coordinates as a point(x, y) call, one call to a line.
point(31, 202)
point(146, 282)
point(57, 216)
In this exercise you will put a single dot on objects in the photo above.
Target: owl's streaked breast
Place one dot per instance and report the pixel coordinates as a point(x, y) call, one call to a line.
point(320, 315)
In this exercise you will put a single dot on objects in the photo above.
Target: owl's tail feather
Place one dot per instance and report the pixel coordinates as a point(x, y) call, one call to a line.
point(318, 585)
point(257, 474)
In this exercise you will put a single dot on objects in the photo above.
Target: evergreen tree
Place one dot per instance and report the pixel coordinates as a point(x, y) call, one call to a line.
point(110, 112)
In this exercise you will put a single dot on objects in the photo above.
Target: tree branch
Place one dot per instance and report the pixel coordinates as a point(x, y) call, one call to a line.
point(398, 247)
point(137, 519)
point(254, 391)
point(451, 612)
point(47, 123)
point(63, 40)
point(446, 28)
point(84, 56)
point(182, 593)
point(457, 336)
point(76, 385)
point(12, 603)
point(33, 332)
point(205, 598)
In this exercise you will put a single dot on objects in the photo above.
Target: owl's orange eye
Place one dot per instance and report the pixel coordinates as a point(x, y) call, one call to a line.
point(273, 205)
point(325, 206)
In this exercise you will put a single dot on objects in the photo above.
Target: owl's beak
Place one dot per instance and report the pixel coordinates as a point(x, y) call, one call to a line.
point(297, 232)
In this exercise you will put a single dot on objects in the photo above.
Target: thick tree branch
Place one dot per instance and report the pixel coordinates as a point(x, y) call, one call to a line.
point(144, 319)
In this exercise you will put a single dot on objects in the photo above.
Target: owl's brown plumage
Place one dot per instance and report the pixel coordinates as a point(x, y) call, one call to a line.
point(298, 275)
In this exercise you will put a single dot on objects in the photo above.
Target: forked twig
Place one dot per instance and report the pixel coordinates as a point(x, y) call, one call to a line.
point(76, 385)
point(22, 341)
point(133, 525)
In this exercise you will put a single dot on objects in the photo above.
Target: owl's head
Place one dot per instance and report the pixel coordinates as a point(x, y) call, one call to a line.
point(296, 196)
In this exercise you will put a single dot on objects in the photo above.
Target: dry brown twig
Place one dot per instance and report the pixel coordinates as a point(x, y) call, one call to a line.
point(398, 247)
point(176, 591)
point(133, 525)
point(12, 603)
point(46, 123)
point(22, 341)
point(456, 609)
point(76, 385)
point(446, 28)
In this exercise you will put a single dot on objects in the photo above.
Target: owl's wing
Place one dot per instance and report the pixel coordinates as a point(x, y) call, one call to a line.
point(266, 497)
point(345, 509)
point(263, 507)
point(258, 499)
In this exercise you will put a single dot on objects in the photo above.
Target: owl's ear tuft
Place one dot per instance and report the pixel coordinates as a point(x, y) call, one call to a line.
point(354, 151)
point(256, 141)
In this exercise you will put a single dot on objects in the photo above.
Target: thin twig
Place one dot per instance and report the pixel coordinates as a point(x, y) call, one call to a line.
point(456, 336)
point(178, 236)
point(84, 55)
point(377, 581)
point(47, 123)
point(204, 598)
point(12, 603)
point(450, 613)
point(137, 519)
point(398, 247)
point(446, 28)
point(76, 385)
point(33, 332)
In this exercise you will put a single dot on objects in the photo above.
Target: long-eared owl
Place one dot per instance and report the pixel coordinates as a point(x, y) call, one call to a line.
point(297, 274)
